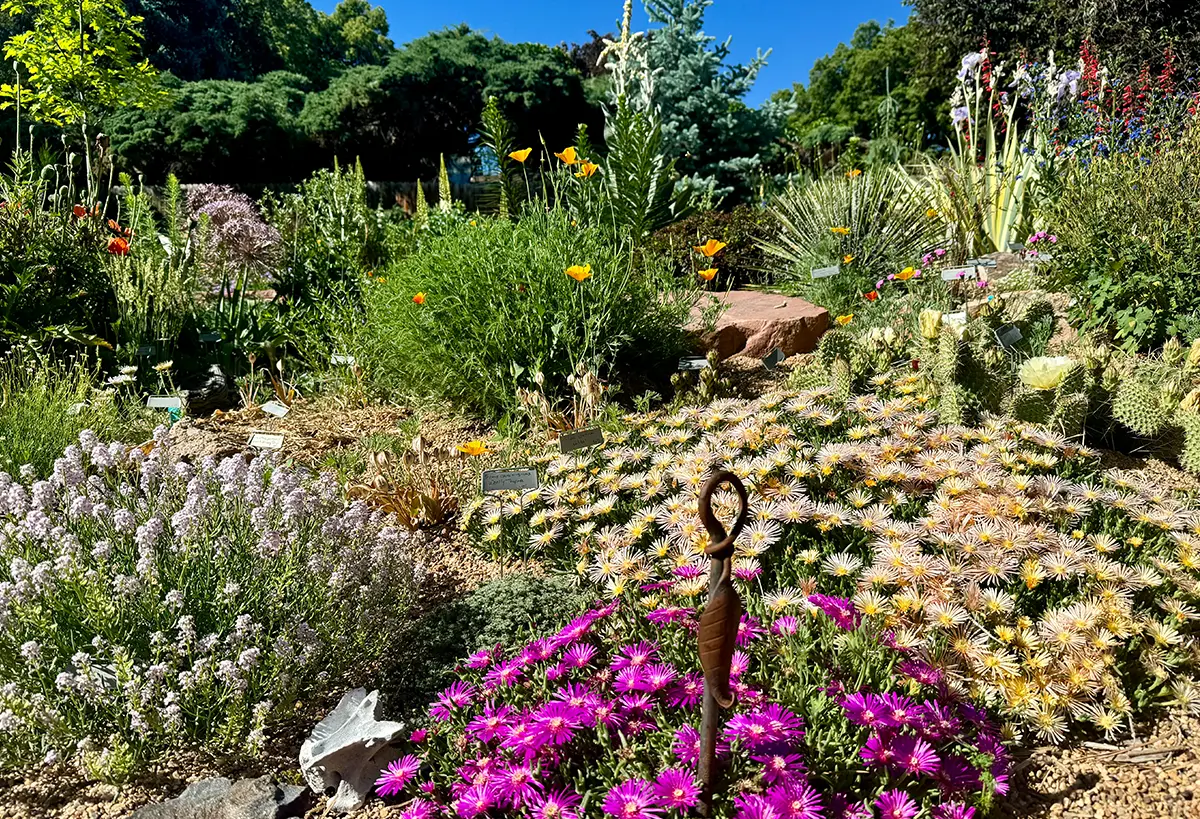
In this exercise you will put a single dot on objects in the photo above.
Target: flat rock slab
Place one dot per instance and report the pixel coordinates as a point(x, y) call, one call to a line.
point(221, 799)
point(754, 323)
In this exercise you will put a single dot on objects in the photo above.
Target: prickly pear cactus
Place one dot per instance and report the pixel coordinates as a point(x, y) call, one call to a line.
point(1140, 403)
point(1189, 457)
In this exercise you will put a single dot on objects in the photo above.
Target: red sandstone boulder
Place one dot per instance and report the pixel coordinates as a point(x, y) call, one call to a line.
point(755, 323)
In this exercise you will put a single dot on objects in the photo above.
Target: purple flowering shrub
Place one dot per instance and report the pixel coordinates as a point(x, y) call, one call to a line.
point(603, 717)
point(146, 601)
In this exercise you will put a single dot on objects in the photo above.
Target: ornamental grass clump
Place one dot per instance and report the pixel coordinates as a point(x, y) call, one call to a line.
point(1000, 555)
point(147, 602)
point(603, 717)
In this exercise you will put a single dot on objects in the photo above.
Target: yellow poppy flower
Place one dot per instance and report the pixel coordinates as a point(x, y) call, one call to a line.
point(844, 320)
point(521, 155)
point(854, 173)
point(931, 213)
point(473, 448)
point(579, 272)
point(906, 274)
point(707, 275)
point(710, 248)
point(419, 298)
point(849, 257)
point(587, 169)
point(568, 156)
point(840, 231)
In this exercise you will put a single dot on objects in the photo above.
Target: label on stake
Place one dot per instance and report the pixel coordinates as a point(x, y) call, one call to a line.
point(1009, 336)
point(508, 480)
point(580, 439)
point(275, 408)
point(166, 402)
point(348, 360)
point(210, 338)
point(146, 351)
point(266, 440)
point(953, 274)
point(824, 272)
point(773, 359)
point(695, 363)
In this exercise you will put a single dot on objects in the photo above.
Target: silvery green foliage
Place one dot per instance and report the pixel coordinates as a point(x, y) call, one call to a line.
point(145, 601)
point(720, 143)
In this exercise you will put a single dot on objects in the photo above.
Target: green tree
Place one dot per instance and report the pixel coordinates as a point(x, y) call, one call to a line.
point(429, 101)
point(218, 131)
point(880, 83)
point(360, 32)
point(1127, 32)
point(79, 59)
point(718, 139)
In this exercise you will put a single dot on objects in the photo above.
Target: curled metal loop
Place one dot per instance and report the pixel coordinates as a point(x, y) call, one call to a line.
point(721, 545)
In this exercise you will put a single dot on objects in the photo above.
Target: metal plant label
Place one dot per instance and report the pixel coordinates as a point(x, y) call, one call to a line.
point(276, 408)
point(266, 440)
point(581, 439)
point(773, 359)
point(693, 363)
point(509, 480)
point(165, 402)
point(346, 360)
point(1009, 336)
point(953, 274)
point(824, 272)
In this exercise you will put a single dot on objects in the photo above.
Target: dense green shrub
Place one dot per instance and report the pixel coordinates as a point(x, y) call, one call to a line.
point(500, 612)
point(1128, 246)
point(742, 261)
point(488, 305)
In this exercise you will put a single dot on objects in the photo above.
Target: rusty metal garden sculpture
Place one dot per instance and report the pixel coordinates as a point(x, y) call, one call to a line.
point(718, 626)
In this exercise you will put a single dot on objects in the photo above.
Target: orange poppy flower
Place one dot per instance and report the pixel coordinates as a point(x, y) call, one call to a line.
point(118, 247)
point(579, 272)
point(711, 248)
point(80, 211)
point(569, 156)
point(872, 296)
point(708, 275)
point(906, 274)
point(844, 320)
point(521, 155)
point(587, 169)
point(849, 257)
point(854, 173)
point(419, 298)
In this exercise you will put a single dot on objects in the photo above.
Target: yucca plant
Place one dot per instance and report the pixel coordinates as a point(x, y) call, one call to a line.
point(872, 223)
point(985, 187)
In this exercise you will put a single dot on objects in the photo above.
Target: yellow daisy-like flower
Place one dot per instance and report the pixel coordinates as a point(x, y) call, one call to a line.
point(932, 213)
point(710, 248)
point(579, 272)
point(473, 448)
point(906, 274)
point(521, 155)
point(707, 275)
point(587, 169)
point(568, 156)
point(840, 231)
point(844, 320)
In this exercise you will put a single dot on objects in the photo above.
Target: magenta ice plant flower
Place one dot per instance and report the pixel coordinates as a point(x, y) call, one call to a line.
point(397, 775)
point(632, 799)
point(896, 804)
point(676, 788)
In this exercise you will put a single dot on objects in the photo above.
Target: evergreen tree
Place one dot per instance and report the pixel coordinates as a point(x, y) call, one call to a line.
point(718, 139)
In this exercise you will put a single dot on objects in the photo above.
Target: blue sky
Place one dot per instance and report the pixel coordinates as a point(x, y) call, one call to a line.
point(799, 31)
